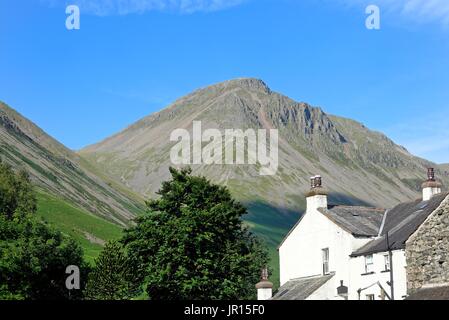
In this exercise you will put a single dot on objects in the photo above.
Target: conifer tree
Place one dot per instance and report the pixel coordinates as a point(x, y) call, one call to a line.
point(114, 275)
point(192, 243)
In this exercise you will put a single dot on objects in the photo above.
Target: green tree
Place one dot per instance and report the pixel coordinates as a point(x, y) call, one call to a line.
point(16, 192)
point(114, 276)
point(192, 243)
point(33, 256)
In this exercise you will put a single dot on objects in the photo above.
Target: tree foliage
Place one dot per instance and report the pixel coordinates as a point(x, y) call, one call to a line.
point(16, 192)
point(33, 256)
point(192, 243)
point(114, 276)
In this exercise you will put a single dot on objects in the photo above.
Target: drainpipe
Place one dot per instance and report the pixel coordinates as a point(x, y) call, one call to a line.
point(390, 255)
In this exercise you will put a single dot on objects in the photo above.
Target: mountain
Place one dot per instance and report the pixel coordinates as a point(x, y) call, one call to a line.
point(358, 165)
point(110, 179)
point(60, 172)
point(445, 168)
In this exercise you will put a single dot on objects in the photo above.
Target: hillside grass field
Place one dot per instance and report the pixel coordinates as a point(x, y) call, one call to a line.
point(90, 231)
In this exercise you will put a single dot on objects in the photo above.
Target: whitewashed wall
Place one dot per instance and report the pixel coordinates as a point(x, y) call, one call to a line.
point(301, 253)
point(360, 280)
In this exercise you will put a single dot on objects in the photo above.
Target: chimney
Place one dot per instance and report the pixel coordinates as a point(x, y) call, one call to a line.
point(317, 196)
point(431, 187)
point(264, 287)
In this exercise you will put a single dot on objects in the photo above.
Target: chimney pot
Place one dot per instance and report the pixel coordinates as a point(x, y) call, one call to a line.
point(312, 182)
point(264, 287)
point(264, 275)
point(430, 187)
point(431, 174)
point(317, 196)
point(318, 182)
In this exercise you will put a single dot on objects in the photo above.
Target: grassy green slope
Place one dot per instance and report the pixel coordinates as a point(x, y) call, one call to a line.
point(90, 231)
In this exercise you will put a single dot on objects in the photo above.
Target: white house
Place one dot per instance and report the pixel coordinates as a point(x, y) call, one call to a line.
point(350, 252)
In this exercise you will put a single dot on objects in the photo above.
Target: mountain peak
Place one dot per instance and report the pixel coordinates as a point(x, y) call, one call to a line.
point(244, 83)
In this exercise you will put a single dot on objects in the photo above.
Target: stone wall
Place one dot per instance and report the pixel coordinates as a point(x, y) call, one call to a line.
point(427, 251)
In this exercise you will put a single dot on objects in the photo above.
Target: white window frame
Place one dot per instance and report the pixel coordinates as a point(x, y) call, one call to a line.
point(325, 261)
point(369, 263)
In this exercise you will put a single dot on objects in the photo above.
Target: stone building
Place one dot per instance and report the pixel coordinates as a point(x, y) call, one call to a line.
point(427, 253)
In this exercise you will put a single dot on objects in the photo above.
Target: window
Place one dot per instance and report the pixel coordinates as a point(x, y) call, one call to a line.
point(387, 262)
point(369, 264)
point(325, 253)
point(370, 297)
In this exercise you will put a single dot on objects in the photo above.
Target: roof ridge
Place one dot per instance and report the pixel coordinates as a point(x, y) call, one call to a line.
point(317, 276)
point(363, 207)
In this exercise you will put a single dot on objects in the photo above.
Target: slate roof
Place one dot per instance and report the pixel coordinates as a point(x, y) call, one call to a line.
point(436, 293)
point(400, 223)
point(301, 288)
point(358, 221)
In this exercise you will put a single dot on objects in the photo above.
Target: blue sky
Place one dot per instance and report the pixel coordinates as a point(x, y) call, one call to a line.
point(133, 57)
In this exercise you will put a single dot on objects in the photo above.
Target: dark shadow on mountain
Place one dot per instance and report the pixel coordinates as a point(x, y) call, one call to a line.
point(336, 198)
point(273, 222)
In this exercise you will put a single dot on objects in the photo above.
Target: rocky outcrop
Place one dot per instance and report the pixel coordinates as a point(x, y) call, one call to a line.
point(427, 251)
